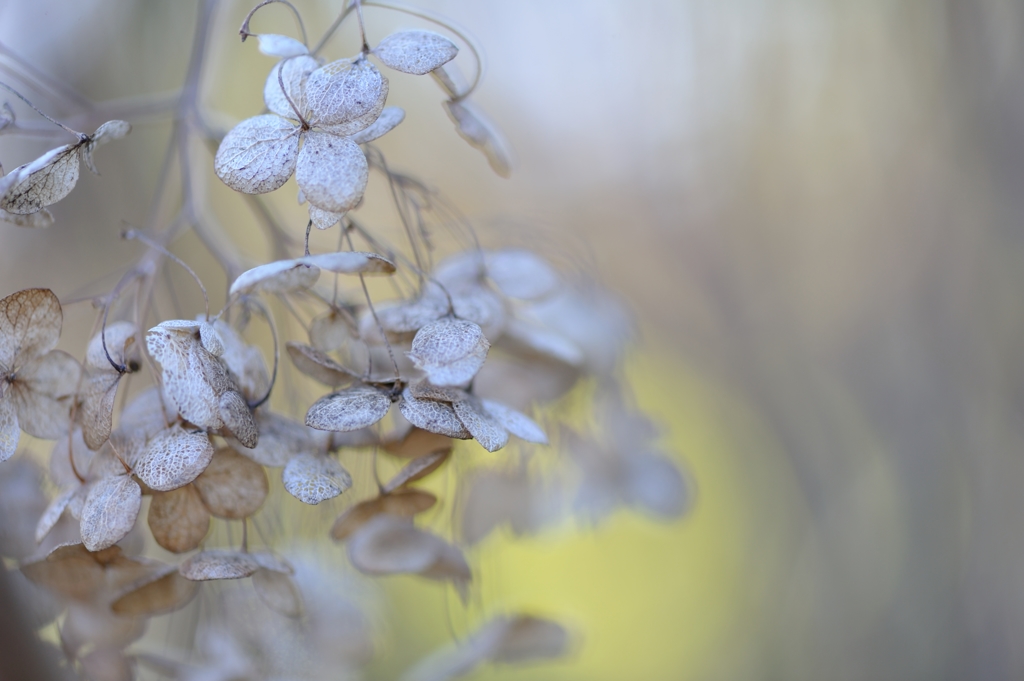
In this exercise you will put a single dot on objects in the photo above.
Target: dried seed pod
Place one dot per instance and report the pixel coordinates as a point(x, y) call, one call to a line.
point(178, 519)
point(312, 478)
point(450, 351)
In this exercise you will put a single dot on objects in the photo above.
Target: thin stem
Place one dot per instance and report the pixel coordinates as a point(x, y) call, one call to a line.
point(80, 135)
point(244, 30)
point(369, 303)
point(277, 349)
point(309, 226)
point(332, 28)
point(135, 234)
point(43, 78)
point(362, 25)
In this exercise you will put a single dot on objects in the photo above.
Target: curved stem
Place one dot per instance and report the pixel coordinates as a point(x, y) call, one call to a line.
point(277, 349)
point(135, 234)
point(244, 30)
point(80, 135)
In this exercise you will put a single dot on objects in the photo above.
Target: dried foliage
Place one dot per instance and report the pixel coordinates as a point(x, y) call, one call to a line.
point(464, 346)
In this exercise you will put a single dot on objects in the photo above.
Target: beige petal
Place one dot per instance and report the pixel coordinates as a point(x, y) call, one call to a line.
point(237, 418)
point(121, 339)
point(521, 274)
point(232, 486)
point(418, 442)
point(70, 570)
point(282, 438)
point(43, 393)
point(10, 433)
point(403, 502)
point(30, 322)
point(417, 469)
point(279, 592)
point(96, 409)
point(178, 519)
point(480, 133)
point(162, 592)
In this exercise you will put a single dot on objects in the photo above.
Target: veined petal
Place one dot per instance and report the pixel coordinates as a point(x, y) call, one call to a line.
point(293, 73)
point(258, 155)
point(332, 172)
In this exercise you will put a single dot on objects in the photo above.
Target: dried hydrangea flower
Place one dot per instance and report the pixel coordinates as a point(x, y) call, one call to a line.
point(36, 382)
point(319, 108)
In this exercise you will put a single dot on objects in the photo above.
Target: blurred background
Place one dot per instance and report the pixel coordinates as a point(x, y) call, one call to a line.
point(813, 210)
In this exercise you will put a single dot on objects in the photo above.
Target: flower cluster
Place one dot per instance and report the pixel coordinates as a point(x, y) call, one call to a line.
point(179, 418)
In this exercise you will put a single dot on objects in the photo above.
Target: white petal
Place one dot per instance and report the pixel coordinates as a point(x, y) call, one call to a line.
point(110, 511)
point(331, 171)
point(450, 351)
point(350, 409)
point(387, 121)
point(44, 181)
point(480, 133)
point(282, 46)
point(293, 73)
point(312, 478)
point(281, 276)
point(324, 219)
point(417, 52)
point(258, 155)
point(520, 425)
point(342, 90)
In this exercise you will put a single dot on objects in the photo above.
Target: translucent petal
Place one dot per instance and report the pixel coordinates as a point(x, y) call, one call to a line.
point(312, 478)
point(258, 155)
point(237, 417)
point(232, 486)
point(111, 130)
point(433, 416)
point(519, 273)
point(282, 46)
point(219, 564)
point(318, 365)
point(43, 392)
point(281, 276)
point(331, 171)
point(417, 52)
point(162, 592)
point(244, 362)
point(417, 469)
point(121, 338)
point(520, 425)
point(387, 544)
point(486, 430)
point(10, 433)
point(293, 73)
point(281, 439)
point(351, 262)
point(38, 220)
point(30, 322)
point(173, 458)
point(342, 90)
point(96, 407)
point(178, 519)
point(110, 511)
point(354, 125)
point(324, 219)
point(350, 409)
point(43, 182)
point(450, 351)
point(480, 133)
point(403, 502)
point(388, 120)
point(279, 592)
